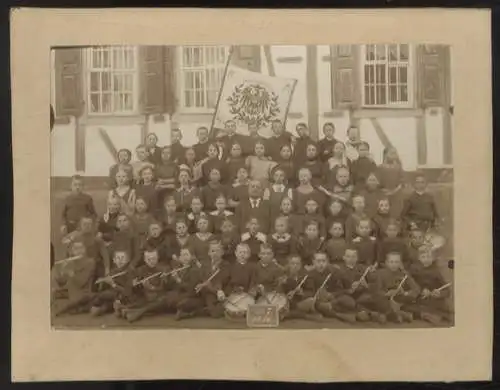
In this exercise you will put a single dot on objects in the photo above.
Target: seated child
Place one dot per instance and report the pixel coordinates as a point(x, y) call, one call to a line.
point(286, 165)
point(335, 213)
point(168, 216)
point(166, 175)
point(124, 240)
point(215, 275)
point(213, 190)
point(141, 163)
point(416, 239)
point(327, 143)
point(320, 288)
point(76, 205)
point(354, 283)
point(239, 188)
point(213, 161)
point(220, 213)
point(277, 191)
point(119, 285)
point(185, 192)
point(141, 220)
point(314, 164)
point(365, 243)
point(336, 245)
point(310, 243)
point(372, 193)
point(146, 189)
point(293, 287)
point(155, 241)
point(235, 162)
point(363, 166)
point(282, 242)
point(313, 214)
point(431, 304)
point(77, 277)
point(181, 240)
point(253, 238)
point(395, 290)
point(419, 209)
point(392, 242)
point(149, 288)
point(294, 222)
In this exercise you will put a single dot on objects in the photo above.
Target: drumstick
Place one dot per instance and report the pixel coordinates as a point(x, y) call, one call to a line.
point(100, 280)
point(443, 287)
point(197, 290)
point(137, 282)
point(67, 260)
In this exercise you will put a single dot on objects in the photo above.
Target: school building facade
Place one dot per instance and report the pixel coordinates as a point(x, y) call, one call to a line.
point(110, 97)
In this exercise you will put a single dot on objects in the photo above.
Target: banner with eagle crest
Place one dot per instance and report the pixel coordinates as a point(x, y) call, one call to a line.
point(250, 97)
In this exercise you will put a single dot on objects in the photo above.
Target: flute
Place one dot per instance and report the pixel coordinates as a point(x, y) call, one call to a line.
point(400, 286)
point(322, 286)
point(204, 284)
point(107, 278)
point(67, 260)
point(443, 287)
point(363, 276)
point(296, 289)
point(161, 273)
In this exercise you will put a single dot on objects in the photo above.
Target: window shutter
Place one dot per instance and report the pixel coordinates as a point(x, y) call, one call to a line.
point(170, 101)
point(152, 79)
point(68, 82)
point(247, 57)
point(431, 68)
point(345, 77)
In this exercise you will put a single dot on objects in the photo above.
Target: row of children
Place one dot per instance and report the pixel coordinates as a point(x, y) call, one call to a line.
point(349, 291)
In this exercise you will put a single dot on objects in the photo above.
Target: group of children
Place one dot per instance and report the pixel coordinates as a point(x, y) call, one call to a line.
point(316, 228)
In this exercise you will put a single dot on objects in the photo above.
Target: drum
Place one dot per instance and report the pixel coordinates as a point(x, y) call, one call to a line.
point(236, 305)
point(277, 299)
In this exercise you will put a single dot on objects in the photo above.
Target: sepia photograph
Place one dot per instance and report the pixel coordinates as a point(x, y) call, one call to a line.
point(252, 186)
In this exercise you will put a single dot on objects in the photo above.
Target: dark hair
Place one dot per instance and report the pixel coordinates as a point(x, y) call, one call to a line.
point(301, 124)
point(329, 124)
point(392, 253)
point(352, 127)
point(419, 174)
point(201, 128)
point(129, 153)
point(176, 130)
point(364, 143)
point(77, 177)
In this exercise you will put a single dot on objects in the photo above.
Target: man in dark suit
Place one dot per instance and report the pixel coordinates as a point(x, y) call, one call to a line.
point(254, 206)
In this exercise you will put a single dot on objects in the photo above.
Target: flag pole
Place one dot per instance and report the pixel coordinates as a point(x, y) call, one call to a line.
point(231, 50)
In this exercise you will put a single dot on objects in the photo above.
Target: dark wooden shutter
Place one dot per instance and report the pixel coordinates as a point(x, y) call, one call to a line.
point(68, 82)
point(169, 96)
point(432, 62)
point(152, 79)
point(247, 57)
point(345, 77)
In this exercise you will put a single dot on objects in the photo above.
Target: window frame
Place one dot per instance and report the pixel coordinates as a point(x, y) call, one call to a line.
point(411, 75)
point(180, 85)
point(135, 84)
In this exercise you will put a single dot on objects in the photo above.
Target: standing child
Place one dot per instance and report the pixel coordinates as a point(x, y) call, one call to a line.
point(301, 143)
point(235, 162)
point(155, 241)
point(123, 156)
point(146, 189)
point(201, 148)
point(181, 240)
point(382, 218)
point(239, 188)
point(313, 214)
point(336, 213)
point(220, 214)
point(372, 194)
point(213, 162)
point(305, 191)
point(184, 194)
point(341, 188)
point(259, 166)
point(431, 305)
point(310, 243)
point(253, 238)
point(106, 227)
point(327, 143)
point(213, 189)
point(352, 221)
point(124, 192)
point(293, 221)
point(166, 175)
point(353, 142)
point(416, 240)
point(229, 238)
point(336, 245)
point(337, 159)
point(77, 277)
point(124, 240)
point(282, 242)
point(168, 217)
point(391, 180)
point(277, 191)
point(76, 205)
point(154, 152)
point(141, 220)
point(190, 164)
point(314, 164)
point(201, 240)
point(141, 163)
point(278, 138)
point(395, 290)
point(214, 275)
point(419, 209)
point(286, 163)
point(118, 290)
point(176, 147)
point(365, 243)
point(196, 212)
point(392, 242)
point(362, 166)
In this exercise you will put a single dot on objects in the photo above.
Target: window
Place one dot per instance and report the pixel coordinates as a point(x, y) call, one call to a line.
point(112, 80)
point(202, 70)
point(387, 76)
